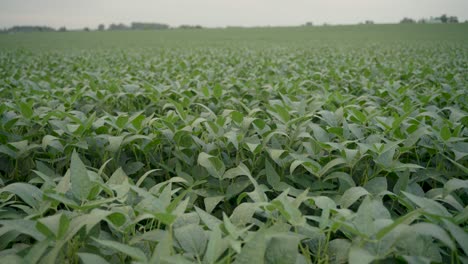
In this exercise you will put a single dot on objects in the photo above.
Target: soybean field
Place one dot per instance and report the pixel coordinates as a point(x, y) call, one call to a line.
point(325, 144)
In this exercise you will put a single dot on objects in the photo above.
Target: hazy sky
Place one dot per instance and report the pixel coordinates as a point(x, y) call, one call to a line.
point(213, 13)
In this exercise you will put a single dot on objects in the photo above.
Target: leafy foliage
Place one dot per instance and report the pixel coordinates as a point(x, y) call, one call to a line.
point(235, 154)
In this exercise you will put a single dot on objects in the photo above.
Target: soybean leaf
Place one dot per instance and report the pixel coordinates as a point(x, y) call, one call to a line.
point(351, 196)
point(133, 252)
point(253, 251)
point(358, 255)
point(213, 165)
point(192, 238)
point(434, 231)
point(282, 248)
point(428, 205)
point(30, 194)
point(81, 184)
point(92, 258)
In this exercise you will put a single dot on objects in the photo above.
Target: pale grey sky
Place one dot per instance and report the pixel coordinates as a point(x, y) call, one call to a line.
point(214, 13)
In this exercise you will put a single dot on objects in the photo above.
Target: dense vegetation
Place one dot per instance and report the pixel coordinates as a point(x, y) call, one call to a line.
point(286, 145)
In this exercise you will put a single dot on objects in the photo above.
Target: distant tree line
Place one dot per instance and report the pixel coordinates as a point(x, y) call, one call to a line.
point(18, 29)
point(135, 26)
point(367, 22)
point(101, 27)
point(15, 29)
point(443, 19)
point(190, 27)
point(148, 26)
point(144, 26)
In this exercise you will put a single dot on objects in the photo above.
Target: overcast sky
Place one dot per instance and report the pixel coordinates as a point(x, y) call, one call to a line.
point(214, 13)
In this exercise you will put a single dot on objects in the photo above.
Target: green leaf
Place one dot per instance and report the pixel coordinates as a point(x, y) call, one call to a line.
point(338, 250)
point(81, 184)
point(165, 218)
point(345, 179)
point(282, 248)
point(460, 235)
point(210, 221)
point(358, 255)
point(428, 205)
point(133, 252)
point(8, 151)
point(324, 202)
point(417, 260)
point(240, 170)
point(233, 138)
point(211, 202)
point(36, 251)
point(118, 177)
point(406, 219)
point(163, 249)
point(53, 142)
point(445, 133)
point(12, 259)
point(358, 115)
point(243, 214)
point(386, 158)
point(402, 183)
point(213, 165)
point(376, 185)
point(434, 231)
point(272, 176)
point(22, 226)
point(231, 229)
point(398, 166)
point(133, 167)
point(415, 136)
point(179, 109)
point(460, 166)
point(30, 194)
point(320, 134)
point(216, 246)
point(237, 186)
point(76, 224)
point(460, 149)
point(217, 91)
point(26, 110)
point(310, 165)
point(351, 196)
point(367, 212)
point(289, 209)
point(253, 251)
point(276, 155)
point(205, 91)
point(121, 121)
point(283, 113)
point(114, 143)
point(331, 164)
point(89, 258)
point(47, 180)
point(62, 199)
point(144, 176)
point(192, 238)
point(237, 116)
point(462, 216)
point(64, 184)
point(55, 224)
point(117, 219)
point(455, 184)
